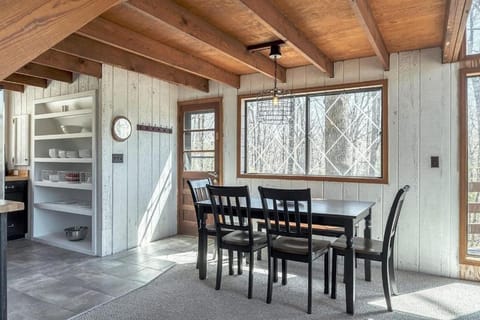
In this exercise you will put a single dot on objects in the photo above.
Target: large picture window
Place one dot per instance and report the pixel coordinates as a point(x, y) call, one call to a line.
point(472, 32)
point(332, 133)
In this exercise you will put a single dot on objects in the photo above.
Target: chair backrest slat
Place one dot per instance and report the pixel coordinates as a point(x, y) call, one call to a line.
point(295, 208)
point(392, 222)
point(198, 189)
point(231, 208)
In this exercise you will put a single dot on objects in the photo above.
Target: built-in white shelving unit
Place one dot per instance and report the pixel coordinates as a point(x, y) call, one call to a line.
point(64, 189)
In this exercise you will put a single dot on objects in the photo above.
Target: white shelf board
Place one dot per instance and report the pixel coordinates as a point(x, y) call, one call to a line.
point(58, 239)
point(64, 207)
point(64, 136)
point(64, 185)
point(64, 160)
point(63, 114)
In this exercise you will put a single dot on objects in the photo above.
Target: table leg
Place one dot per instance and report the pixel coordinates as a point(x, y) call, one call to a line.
point(349, 272)
point(3, 266)
point(367, 234)
point(202, 245)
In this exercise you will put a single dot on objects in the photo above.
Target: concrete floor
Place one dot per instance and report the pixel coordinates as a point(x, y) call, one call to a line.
point(45, 282)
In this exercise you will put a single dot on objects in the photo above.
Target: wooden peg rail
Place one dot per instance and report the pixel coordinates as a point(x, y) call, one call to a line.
point(143, 127)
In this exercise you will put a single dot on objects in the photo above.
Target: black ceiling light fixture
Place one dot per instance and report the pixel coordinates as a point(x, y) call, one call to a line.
point(273, 105)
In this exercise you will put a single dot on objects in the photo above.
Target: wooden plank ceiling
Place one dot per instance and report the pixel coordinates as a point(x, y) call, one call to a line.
point(189, 42)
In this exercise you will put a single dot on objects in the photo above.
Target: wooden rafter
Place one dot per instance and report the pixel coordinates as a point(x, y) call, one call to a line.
point(27, 80)
point(60, 60)
point(113, 34)
point(37, 70)
point(364, 14)
point(454, 31)
point(185, 21)
point(29, 28)
point(11, 86)
point(100, 52)
point(283, 28)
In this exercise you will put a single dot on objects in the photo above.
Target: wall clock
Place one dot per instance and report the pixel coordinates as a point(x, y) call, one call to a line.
point(121, 128)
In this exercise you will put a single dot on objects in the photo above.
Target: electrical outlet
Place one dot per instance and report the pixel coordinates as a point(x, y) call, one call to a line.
point(435, 162)
point(117, 157)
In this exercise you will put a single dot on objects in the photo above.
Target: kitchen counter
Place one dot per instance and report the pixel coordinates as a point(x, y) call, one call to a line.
point(16, 178)
point(7, 206)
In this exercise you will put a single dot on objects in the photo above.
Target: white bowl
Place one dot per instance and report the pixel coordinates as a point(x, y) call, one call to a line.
point(62, 154)
point(72, 154)
point(70, 129)
point(53, 153)
point(85, 153)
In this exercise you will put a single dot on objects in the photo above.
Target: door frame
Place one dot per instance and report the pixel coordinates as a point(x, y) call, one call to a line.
point(194, 105)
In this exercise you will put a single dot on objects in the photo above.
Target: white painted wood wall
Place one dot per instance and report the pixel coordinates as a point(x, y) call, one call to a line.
point(423, 122)
point(139, 195)
point(138, 200)
point(22, 104)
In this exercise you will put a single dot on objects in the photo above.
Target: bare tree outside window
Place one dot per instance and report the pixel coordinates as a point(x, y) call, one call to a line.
point(473, 29)
point(336, 134)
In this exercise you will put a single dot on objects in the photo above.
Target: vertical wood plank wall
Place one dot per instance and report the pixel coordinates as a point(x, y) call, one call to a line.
point(138, 202)
point(139, 195)
point(423, 122)
point(22, 103)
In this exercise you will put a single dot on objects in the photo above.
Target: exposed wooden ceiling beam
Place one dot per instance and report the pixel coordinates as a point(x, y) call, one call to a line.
point(364, 14)
point(100, 52)
point(454, 31)
point(37, 70)
point(113, 34)
point(32, 27)
point(60, 60)
point(283, 28)
point(185, 21)
point(27, 80)
point(11, 86)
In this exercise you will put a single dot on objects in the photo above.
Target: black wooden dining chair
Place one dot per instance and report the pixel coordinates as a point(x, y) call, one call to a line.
point(375, 250)
point(231, 209)
point(289, 240)
point(198, 189)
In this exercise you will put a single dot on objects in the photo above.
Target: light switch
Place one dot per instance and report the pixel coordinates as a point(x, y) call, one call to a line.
point(435, 162)
point(117, 157)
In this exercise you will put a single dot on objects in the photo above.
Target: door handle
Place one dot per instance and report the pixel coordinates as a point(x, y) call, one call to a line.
point(11, 226)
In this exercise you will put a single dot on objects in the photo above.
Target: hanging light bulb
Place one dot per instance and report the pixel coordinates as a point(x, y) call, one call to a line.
point(275, 100)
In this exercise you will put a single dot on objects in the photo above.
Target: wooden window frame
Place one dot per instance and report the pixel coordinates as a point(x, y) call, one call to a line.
point(463, 176)
point(383, 84)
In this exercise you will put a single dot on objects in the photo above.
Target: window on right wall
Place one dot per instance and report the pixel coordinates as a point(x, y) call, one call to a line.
point(472, 33)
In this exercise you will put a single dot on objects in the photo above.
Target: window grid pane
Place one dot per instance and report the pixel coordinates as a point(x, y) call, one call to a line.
point(473, 29)
point(344, 136)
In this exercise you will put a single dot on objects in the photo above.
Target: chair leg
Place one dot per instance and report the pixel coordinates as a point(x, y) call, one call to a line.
point(219, 269)
point(270, 280)
point(309, 311)
point(284, 272)
point(198, 258)
point(325, 273)
point(239, 262)
point(250, 274)
point(386, 284)
point(259, 252)
point(275, 270)
point(393, 281)
point(334, 275)
point(230, 263)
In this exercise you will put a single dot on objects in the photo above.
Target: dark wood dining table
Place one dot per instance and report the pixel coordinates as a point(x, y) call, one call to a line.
point(342, 213)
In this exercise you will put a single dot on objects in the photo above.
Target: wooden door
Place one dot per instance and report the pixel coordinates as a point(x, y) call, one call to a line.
point(199, 153)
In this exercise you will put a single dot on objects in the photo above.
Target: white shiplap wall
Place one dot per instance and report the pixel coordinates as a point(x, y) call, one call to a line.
point(138, 195)
point(423, 122)
point(22, 103)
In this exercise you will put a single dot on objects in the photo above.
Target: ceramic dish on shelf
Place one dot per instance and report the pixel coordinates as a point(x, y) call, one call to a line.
point(71, 154)
point(70, 129)
point(62, 154)
point(85, 153)
point(53, 153)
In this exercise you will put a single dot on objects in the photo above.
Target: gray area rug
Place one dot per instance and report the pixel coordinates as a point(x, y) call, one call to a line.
point(179, 294)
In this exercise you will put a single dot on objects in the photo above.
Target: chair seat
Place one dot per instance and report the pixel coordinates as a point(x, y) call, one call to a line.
point(362, 245)
point(317, 229)
point(299, 245)
point(240, 238)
